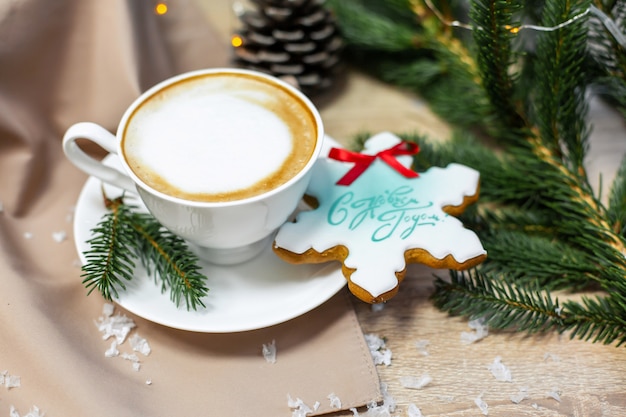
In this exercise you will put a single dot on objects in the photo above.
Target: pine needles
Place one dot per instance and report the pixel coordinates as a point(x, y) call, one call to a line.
point(109, 262)
point(123, 236)
point(506, 306)
point(538, 217)
point(501, 304)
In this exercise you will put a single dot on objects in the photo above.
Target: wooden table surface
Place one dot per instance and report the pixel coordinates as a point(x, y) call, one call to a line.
point(588, 379)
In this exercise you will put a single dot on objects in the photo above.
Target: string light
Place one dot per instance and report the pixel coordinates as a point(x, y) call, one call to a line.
point(608, 23)
point(552, 28)
point(512, 29)
point(441, 17)
point(160, 8)
point(236, 41)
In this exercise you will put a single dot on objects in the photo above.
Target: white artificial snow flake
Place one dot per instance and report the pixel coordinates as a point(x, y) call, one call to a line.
point(421, 346)
point(34, 412)
point(378, 307)
point(118, 326)
point(386, 408)
point(484, 408)
point(499, 370)
point(413, 411)
point(481, 330)
point(551, 356)
point(291, 403)
point(28, 235)
point(13, 381)
point(380, 353)
point(108, 309)
point(554, 394)
point(300, 409)
point(69, 218)
point(316, 405)
point(132, 358)
point(414, 382)
point(9, 381)
point(374, 342)
point(112, 351)
point(59, 236)
point(378, 412)
point(521, 395)
point(139, 344)
point(535, 406)
point(388, 400)
point(382, 357)
point(446, 398)
point(148, 382)
point(374, 409)
point(335, 401)
point(269, 351)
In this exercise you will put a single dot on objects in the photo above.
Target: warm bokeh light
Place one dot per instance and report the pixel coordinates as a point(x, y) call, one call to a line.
point(512, 29)
point(236, 41)
point(160, 8)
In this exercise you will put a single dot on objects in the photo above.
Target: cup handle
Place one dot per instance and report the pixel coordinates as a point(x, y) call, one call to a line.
point(91, 166)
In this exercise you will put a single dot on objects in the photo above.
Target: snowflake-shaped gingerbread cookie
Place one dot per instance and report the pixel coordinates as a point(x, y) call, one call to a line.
point(377, 219)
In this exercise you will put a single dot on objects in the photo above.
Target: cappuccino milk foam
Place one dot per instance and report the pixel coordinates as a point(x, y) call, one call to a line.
point(219, 137)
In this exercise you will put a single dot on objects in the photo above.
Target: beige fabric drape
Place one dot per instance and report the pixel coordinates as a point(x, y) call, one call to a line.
point(65, 61)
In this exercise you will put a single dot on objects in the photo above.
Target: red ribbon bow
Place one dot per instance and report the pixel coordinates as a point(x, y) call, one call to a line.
point(363, 161)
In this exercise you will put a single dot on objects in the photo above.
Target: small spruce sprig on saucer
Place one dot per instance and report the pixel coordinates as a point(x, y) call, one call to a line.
point(123, 236)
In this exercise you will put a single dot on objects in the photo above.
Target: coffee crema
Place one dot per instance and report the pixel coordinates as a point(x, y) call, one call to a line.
point(219, 137)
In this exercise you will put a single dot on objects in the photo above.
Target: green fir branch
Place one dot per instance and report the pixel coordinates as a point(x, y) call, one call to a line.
point(559, 94)
point(371, 30)
point(537, 260)
point(167, 257)
point(414, 50)
point(109, 261)
point(596, 319)
point(502, 305)
point(123, 236)
point(495, 25)
point(524, 90)
point(505, 306)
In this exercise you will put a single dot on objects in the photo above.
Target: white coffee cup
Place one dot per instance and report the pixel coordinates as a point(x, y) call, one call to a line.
point(220, 141)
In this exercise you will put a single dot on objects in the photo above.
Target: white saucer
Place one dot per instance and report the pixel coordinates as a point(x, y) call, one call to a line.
point(259, 293)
